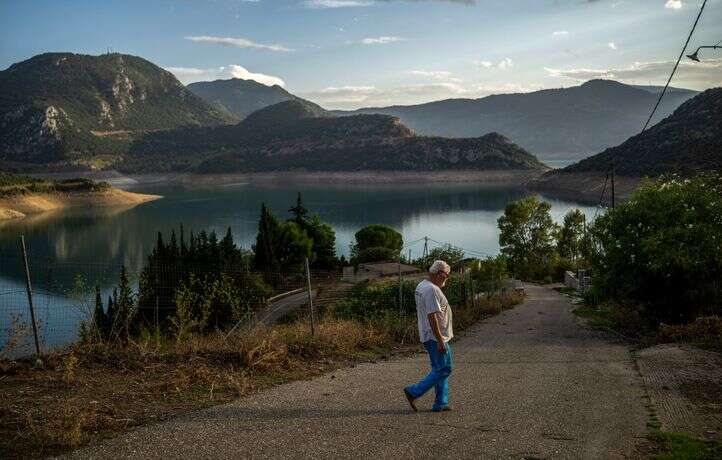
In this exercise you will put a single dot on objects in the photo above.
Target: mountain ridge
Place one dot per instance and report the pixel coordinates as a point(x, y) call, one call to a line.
point(294, 135)
point(687, 142)
point(61, 106)
point(239, 97)
point(553, 122)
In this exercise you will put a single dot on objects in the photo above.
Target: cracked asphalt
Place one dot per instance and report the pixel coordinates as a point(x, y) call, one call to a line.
point(528, 383)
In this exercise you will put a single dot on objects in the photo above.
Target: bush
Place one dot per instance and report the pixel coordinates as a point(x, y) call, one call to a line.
point(377, 236)
point(377, 254)
point(448, 253)
point(705, 330)
point(372, 301)
point(490, 273)
point(662, 250)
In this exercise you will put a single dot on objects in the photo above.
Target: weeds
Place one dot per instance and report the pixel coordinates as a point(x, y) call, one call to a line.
point(682, 447)
point(98, 388)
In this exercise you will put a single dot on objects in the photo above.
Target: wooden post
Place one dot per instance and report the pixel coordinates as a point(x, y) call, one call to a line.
point(30, 295)
point(401, 295)
point(310, 298)
point(157, 308)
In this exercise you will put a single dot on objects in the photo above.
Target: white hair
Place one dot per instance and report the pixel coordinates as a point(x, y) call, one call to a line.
point(439, 266)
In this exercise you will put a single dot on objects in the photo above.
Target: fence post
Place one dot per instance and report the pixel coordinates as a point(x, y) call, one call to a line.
point(30, 295)
point(157, 320)
point(310, 298)
point(401, 293)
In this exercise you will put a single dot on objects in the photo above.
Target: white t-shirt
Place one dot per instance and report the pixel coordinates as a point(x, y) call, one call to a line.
point(430, 299)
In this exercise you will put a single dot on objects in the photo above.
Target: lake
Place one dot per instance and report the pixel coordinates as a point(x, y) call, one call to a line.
point(96, 242)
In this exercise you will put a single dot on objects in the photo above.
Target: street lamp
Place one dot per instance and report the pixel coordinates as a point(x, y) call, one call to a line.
point(695, 56)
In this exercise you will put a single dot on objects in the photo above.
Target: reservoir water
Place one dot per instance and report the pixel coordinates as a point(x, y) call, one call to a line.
point(94, 243)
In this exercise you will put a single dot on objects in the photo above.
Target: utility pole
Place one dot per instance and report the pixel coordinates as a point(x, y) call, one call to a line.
point(310, 298)
point(426, 246)
point(30, 296)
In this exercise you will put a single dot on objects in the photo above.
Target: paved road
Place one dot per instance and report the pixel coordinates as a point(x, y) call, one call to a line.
point(275, 311)
point(529, 383)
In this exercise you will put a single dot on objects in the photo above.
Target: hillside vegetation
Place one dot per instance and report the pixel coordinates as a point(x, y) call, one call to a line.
point(688, 141)
point(72, 107)
point(578, 120)
point(296, 135)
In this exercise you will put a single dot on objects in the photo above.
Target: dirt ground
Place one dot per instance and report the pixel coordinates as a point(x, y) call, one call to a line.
point(685, 386)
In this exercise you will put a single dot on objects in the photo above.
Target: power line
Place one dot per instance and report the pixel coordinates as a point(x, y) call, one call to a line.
point(661, 95)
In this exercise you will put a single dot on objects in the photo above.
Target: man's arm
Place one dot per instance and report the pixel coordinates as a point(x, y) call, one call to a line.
point(434, 323)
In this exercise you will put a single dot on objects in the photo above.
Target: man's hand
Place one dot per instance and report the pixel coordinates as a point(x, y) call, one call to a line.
point(434, 322)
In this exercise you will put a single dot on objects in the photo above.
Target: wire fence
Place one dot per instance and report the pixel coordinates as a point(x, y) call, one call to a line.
point(67, 295)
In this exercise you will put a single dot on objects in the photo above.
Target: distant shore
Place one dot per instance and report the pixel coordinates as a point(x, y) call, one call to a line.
point(501, 177)
point(19, 206)
point(584, 187)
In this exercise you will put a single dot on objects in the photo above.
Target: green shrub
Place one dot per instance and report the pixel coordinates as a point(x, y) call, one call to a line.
point(377, 236)
point(372, 301)
point(662, 249)
point(377, 254)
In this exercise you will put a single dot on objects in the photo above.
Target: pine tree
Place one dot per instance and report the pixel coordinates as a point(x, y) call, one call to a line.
point(299, 211)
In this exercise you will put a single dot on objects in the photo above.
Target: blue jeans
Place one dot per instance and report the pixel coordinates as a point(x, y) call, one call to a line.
point(437, 378)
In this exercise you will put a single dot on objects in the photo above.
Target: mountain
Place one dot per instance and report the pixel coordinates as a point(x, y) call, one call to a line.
point(284, 113)
point(239, 98)
point(295, 135)
point(71, 107)
point(554, 122)
point(687, 142)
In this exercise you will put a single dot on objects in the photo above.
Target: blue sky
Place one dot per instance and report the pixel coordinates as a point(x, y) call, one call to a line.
point(353, 53)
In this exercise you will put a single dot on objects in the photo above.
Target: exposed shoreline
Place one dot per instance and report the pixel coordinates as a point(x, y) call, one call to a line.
point(584, 187)
point(117, 179)
point(19, 206)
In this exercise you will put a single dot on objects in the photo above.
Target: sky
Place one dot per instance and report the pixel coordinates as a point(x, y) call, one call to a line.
point(345, 54)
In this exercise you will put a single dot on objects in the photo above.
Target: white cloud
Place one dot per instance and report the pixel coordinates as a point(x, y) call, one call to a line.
point(558, 33)
point(236, 42)
point(695, 75)
point(505, 63)
point(612, 45)
point(674, 4)
point(191, 74)
point(436, 75)
point(352, 97)
point(381, 40)
point(319, 4)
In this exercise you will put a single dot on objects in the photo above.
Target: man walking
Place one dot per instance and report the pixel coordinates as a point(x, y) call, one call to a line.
point(435, 331)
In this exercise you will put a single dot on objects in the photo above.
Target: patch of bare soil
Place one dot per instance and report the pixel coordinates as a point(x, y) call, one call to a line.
point(685, 386)
point(19, 205)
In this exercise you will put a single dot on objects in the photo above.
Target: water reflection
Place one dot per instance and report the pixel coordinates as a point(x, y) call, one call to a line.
point(464, 214)
point(93, 243)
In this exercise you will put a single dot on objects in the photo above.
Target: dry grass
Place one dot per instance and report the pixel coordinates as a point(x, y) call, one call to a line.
point(705, 331)
point(95, 390)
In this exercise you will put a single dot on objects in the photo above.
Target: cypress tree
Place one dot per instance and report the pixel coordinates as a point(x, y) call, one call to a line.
point(99, 318)
point(264, 249)
point(124, 306)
